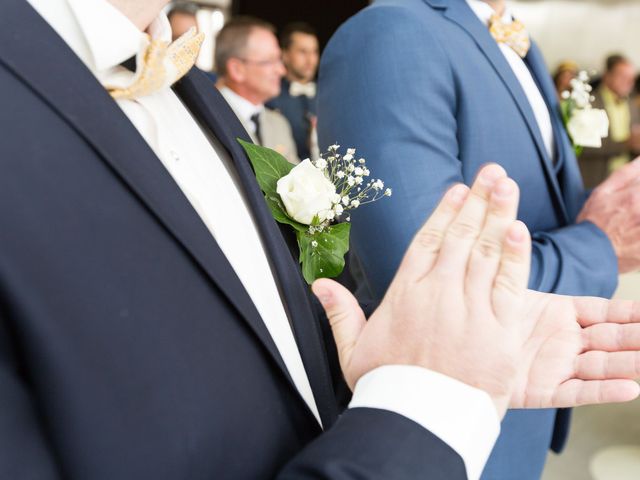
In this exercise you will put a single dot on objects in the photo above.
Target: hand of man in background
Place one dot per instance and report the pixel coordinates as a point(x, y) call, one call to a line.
point(614, 207)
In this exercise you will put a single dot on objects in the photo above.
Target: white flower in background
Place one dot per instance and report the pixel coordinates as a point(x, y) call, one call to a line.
point(306, 192)
point(351, 152)
point(588, 127)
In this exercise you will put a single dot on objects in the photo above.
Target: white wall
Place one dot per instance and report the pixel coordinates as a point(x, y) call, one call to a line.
point(583, 31)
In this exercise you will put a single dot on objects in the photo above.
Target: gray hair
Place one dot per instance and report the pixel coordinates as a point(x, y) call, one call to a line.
point(231, 41)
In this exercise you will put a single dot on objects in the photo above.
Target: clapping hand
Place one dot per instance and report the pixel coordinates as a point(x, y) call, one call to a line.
point(459, 306)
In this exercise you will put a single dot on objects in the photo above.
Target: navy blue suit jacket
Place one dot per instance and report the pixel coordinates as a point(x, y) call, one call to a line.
point(424, 93)
point(128, 346)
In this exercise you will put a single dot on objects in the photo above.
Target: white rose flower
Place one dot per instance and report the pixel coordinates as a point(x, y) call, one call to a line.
point(588, 127)
point(306, 192)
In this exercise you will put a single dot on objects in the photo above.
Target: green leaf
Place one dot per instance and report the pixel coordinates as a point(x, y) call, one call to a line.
point(269, 167)
point(278, 213)
point(326, 259)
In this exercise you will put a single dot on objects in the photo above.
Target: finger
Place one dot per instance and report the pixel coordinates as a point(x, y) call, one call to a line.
point(464, 230)
point(591, 311)
point(575, 393)
point(487, 250)
point(621, 178)
point(604, 365)
point(611, 337)
point(425, 247)
point(345, 317)
point(513, 274)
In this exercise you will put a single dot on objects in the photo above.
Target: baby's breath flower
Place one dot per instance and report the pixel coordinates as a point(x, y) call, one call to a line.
point(345, 200)
point(314, 244)
point(321, 163)
point(358, 181)
point(361, 161)
point(388, 192)
point(348, 219)
point(348, 157)
point(365, 172)
point(336, 198)
point(378, 185)
point(331, 215)
point(351, 168)
point(355, 203)
point(358, 171)
point(351, 181)
point(334, 147)
point(351, 151)
point(338, 209)
point(340, 174)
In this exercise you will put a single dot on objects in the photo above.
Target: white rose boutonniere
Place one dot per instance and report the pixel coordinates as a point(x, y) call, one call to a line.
point(306, 193)
point(315, 199)
point(587, 126)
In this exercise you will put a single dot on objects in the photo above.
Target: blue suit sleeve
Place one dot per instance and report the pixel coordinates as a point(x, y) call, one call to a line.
point(391, 92)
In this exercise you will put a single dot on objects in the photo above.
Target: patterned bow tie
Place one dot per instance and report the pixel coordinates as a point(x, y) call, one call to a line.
point(512, 34)
point(307, 89)
point(160, 65)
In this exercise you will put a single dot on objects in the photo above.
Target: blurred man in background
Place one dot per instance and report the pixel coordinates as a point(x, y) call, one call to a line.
point(250, 69)
point(297, 99)
point(623, 142)
point(566, 71)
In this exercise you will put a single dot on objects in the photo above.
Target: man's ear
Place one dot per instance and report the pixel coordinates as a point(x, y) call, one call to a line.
point(236, 70)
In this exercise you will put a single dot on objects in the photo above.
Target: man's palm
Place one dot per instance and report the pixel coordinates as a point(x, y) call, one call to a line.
point(579, 351)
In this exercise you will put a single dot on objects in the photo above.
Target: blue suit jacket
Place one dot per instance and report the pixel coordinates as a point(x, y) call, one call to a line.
point(423, 91)
point(129, 349)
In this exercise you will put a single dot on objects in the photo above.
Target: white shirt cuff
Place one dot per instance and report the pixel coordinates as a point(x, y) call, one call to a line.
point(462, 416)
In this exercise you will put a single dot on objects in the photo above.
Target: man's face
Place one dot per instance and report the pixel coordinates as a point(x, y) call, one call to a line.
point(263, 69)
point(181, 23)
point(621, 79)
point(301, 58)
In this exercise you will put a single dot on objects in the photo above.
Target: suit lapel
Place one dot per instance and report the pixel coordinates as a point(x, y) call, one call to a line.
point(214, 113)
point(460, 13)
point(35, 53)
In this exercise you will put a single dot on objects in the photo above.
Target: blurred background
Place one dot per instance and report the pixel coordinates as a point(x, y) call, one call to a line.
point(573, 35)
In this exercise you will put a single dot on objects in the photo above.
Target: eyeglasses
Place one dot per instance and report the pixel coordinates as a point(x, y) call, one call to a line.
point(262, 63)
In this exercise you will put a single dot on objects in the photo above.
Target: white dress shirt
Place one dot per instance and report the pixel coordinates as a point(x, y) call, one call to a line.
point(484, 12)
point(243, 108)
point(462, 416)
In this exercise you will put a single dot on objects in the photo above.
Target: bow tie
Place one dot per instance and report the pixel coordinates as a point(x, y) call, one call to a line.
point(512, 34)
point(307, 89)
point(159, 65)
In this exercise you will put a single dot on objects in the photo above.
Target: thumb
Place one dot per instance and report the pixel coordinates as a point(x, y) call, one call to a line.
point(345, 317)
